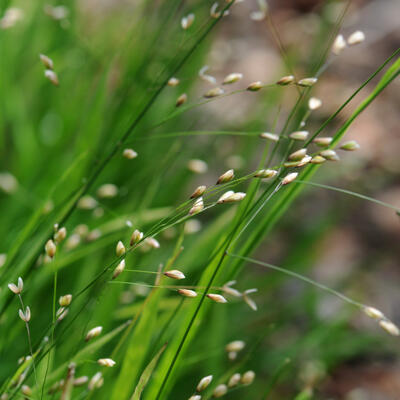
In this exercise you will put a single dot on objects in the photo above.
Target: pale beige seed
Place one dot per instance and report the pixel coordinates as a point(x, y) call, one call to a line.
point(50, 248)
point(25, 316)
point(174, 274)
point(198, 206)
point(187, 292)
point(195, 397)
point(217, 298)
point(299, 135)
point(204, 382)
point(373, 312)
point(351, 145)
point(307, 82)
point(355, 38)
point(234, 197)
point(136, 237)
point(81, 380)
point(26, 390)
point(248, 377)
point(94, 332)
point(106, 362)
point(289, 178)
point(330, 155)
point(389, 327)
point(220, 390)
point(181, 100)
point(96, 381)
point(60, 235)
point(255, 86)
point(304, 161)
point(232, 78)
point(225, 196)
point(197, 166)
point(234, 380)
point(270, 136)
point(107, 191)
point(338, 45)
point(199, 191)
point(314, 103)
point(129, 154)
point(65, 301)
point(120, 249)
point(286, 80)
point(298, 154)
point(323, 141)
point(51, 76)
point(236, 345)
point(226, 177)
point(153, 243)
point(173, 82)
point(47, 61)
point(186, 22)
point(87, 203)
point(119, 269)
point(17, 289)
point(217, 91)
point(265, 173)
point(317, 160)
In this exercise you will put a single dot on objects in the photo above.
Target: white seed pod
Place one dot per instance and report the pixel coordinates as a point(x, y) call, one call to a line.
point(355, 38)
point(225, 196)
point(248, 378)
point(289, 178)
point(181, 99)
point(304, 161)
point(204, 382)
point(153, 243)
point(47, 61)
point(317, 160)
point(307, 82)
point(373, 313)
point(235, 197)
point(173, 82)
point(226, 176)
point(94, 332)
point(220, 390)
point(323, 141)
point(197, 166)
point(65, 301)
point(50, 248)
point(120, 249)
point(199, 191)
point(187, 21)
point(270, 136)
point(236, 345)
point(136, 237)
point(389, 327)
point(255, 86)
point(217, 298)
point(119, 269)
point(107, 191)
point(265, 173)
point(198, 206)
point(314, 103)
point(205, 77)
point(299, 135)
point(106, 362)
point(17, 289)
point(87, 203)
point(51, 76)
point(232, 78)
point(234, 380)
point(81, 380)
point(214, 92)
point(174, 274)
point(286, 80)
point(61, 313)
point(338, 45)
point(298, 154)
point(60, 235)
point(195, 397)
point(330, 155)
point(25, 316)
point(96, 381)
point(187, 293)
point(351, 145)
point(129, 154)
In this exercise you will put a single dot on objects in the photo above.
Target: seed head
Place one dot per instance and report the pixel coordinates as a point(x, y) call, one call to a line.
point(25, 316)
point(119, 269)
point(220, 390)
point(217, 91)
point(107, 191)
point(323, 141)
point(96, 381)
point(217, 298)
point(81, 380)
point(198, 206)
point(355, 38)
point(314, 103)
point(265, 173)
point(389, 327)
point(120, 249)
point(60, 235)
point(136, 237)
point(187, 21)
point(304, 161)
point(174, 274)
point(204, 382)
point(129, 154)
point(47, 61)
point(205, 77)
point(50, 248)
point(373, 312)
point(330, 155)
point(65, 301)
point(198, 166)
point(338, 45)
point(106, 362)
point(318, 160)
point(299, 135)
point(226, 177)
point(198, 192)
point(94, 332)
point(17, 289)
point(235, 197)
point(232, 78)
point(255, 86)
point(351, 145)
point(307, 82)
point(286, 80)
point(51, 76)
point(236, 346)
point(173, 82)
point(289, 178)
point(248, 377)
point(87, 203)
point(187, 292)
point(270, 136)
point(181, 99)
point(298, 155)
point(225, 196)
point(234, 380)
point(152, 242)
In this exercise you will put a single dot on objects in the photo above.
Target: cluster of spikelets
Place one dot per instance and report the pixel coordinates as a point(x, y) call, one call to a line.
point(235, 381)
